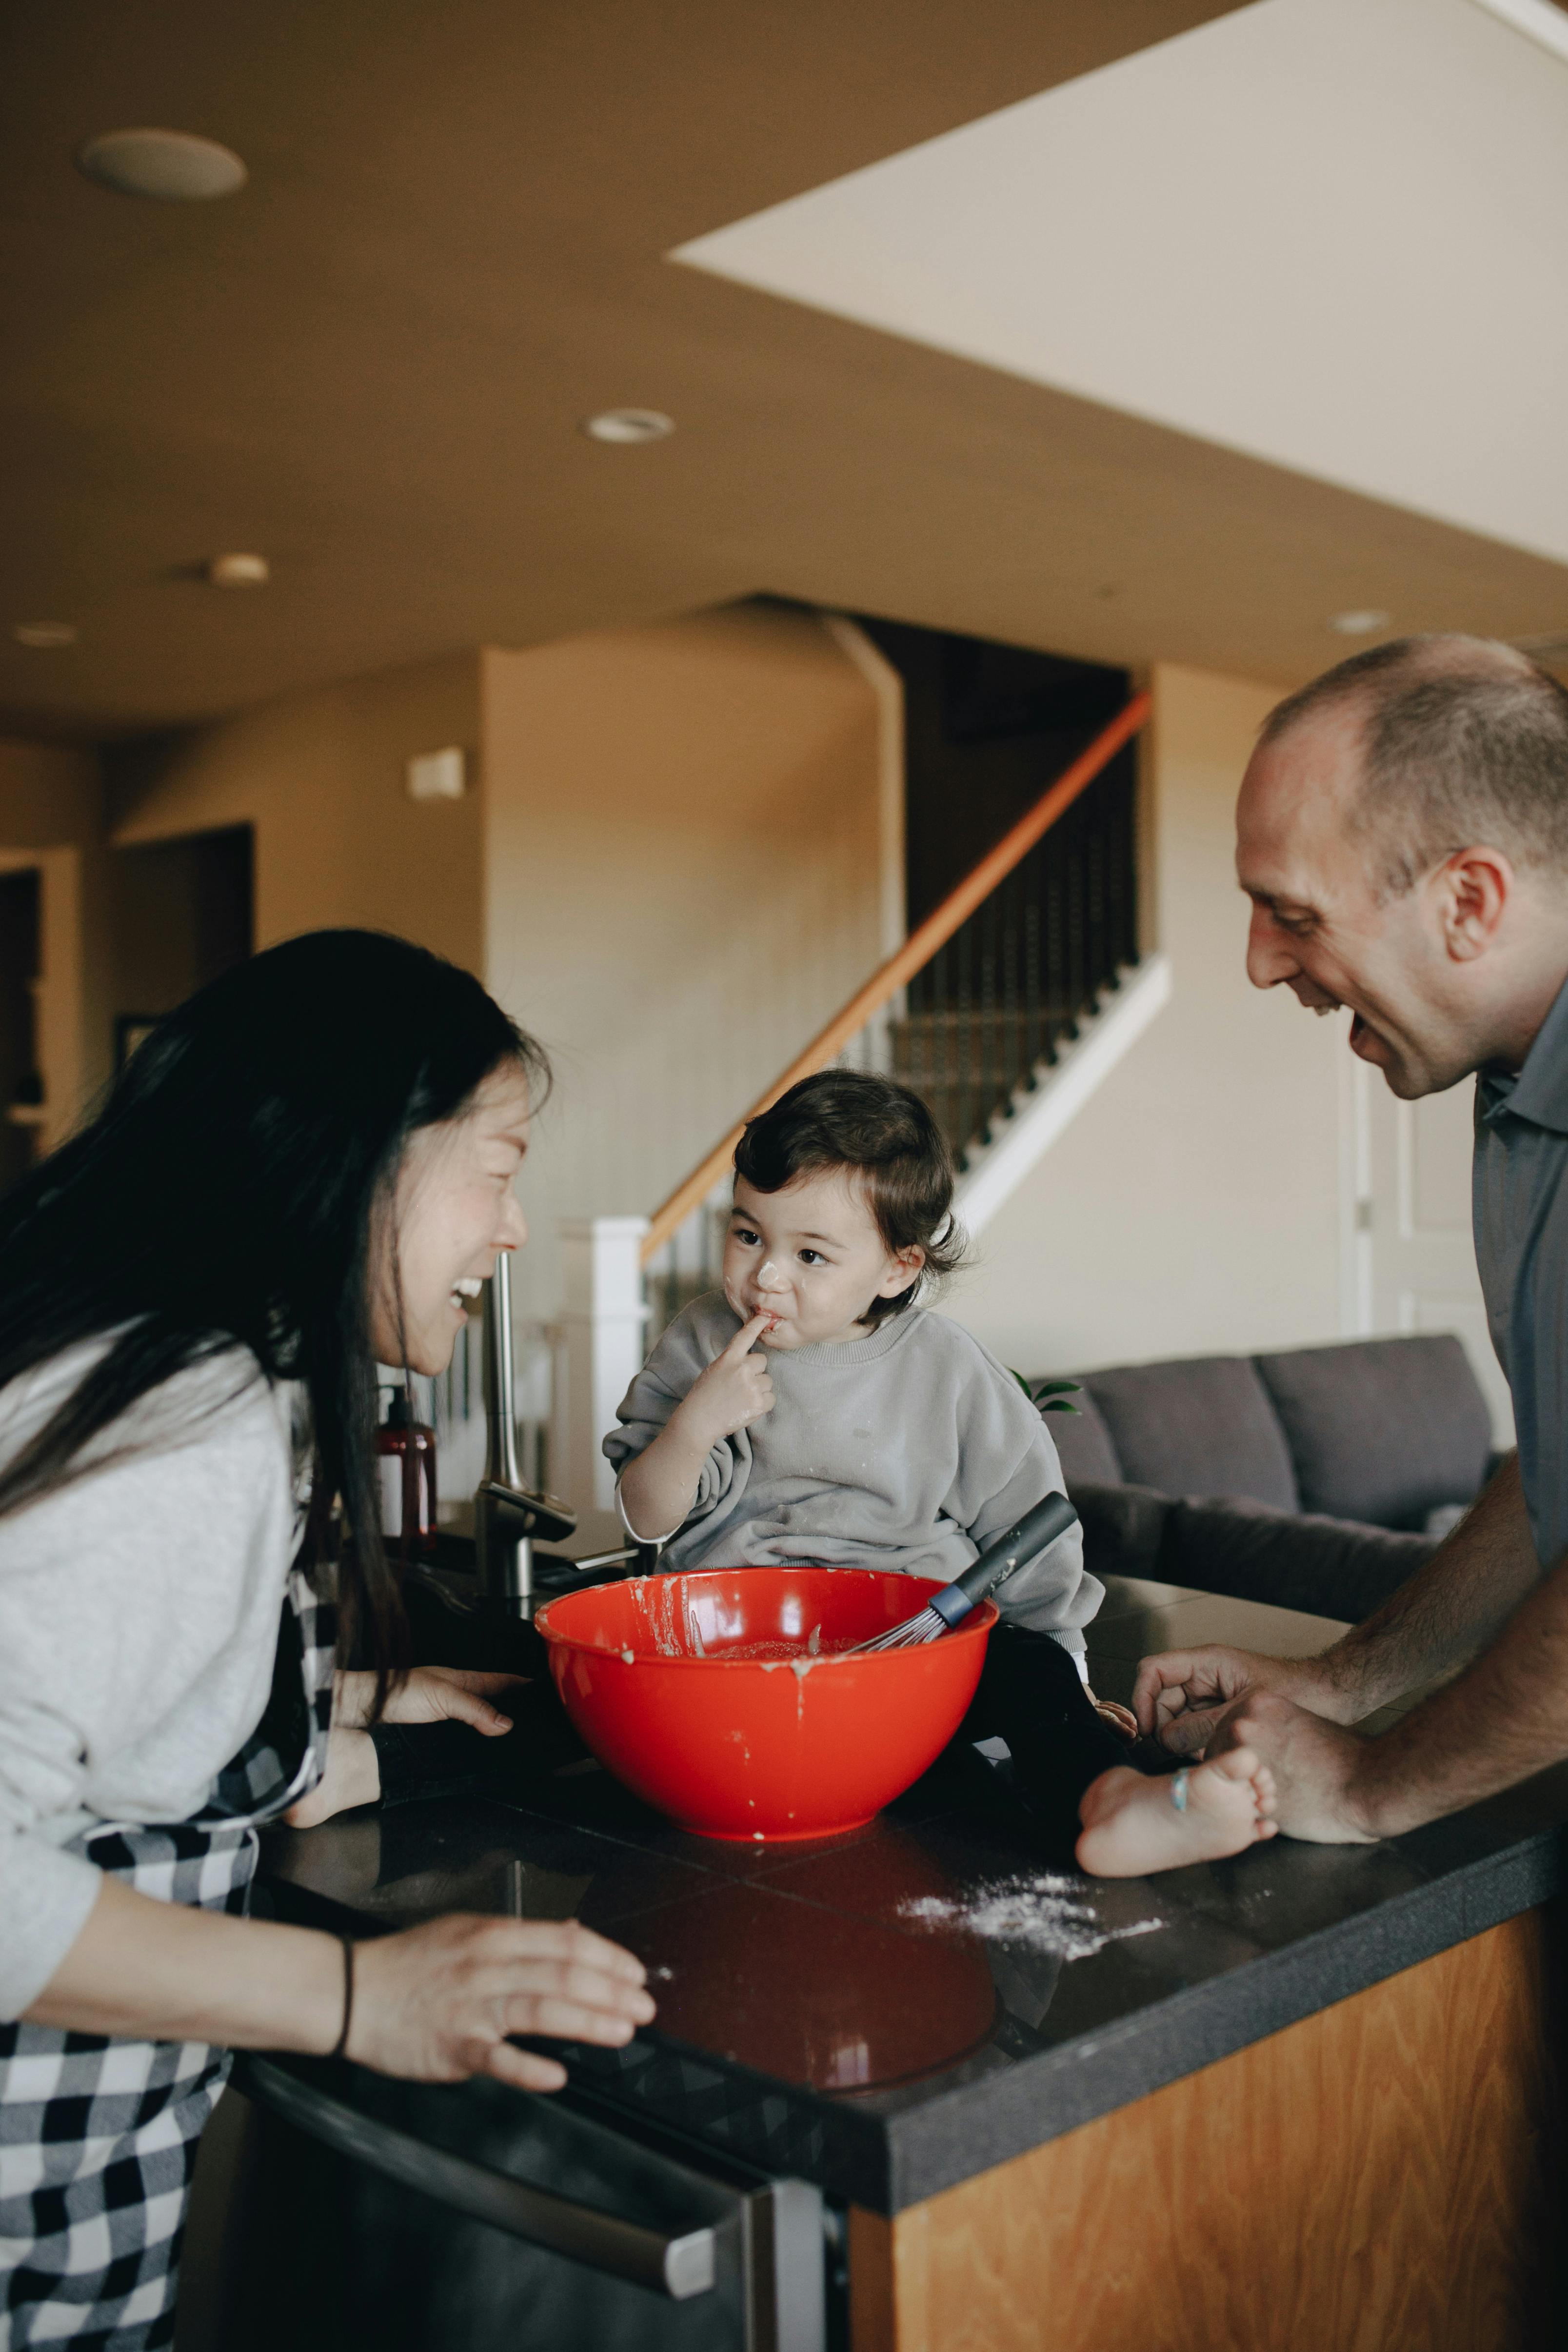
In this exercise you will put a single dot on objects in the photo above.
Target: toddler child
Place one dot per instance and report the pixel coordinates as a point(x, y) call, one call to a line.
point(814, 1410)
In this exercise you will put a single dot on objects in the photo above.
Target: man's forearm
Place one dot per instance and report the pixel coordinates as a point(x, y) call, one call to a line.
point(1503, 1720)
point(1448, 1612)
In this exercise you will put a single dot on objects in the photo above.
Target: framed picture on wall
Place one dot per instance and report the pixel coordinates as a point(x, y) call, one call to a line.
point(129, 1028)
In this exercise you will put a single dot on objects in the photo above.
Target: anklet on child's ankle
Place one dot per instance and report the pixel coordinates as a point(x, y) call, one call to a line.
point(1178, 1789)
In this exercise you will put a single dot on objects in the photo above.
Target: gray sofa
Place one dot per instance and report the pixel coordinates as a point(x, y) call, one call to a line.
point(1317, 1478)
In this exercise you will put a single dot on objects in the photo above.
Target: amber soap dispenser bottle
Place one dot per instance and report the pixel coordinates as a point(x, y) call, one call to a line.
point(406, 1448)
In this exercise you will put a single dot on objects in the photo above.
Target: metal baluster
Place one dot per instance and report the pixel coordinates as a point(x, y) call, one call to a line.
point(1056, 941)
point(986, 1036)
point(1126, 950)
point(939, 1042)
point(1074, 854)
point(963, 1122)
point(1012, 1037)
point(1034, 1034)
point(1098, 971)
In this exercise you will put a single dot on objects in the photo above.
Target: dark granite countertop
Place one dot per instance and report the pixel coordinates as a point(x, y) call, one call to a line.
point(863, 2012)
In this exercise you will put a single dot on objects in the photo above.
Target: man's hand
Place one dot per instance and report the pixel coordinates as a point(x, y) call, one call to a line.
point(1181, 1696)
point(735, 1390)
point(1316, 1766)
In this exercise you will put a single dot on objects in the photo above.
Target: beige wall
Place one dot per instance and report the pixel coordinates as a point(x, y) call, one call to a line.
point(321, 777)
point(1193, 1205)
point(50, 796)
point(682, 884)
point(51, 816)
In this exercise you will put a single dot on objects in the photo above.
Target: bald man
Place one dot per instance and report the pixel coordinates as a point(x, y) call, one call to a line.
point(1402, 833)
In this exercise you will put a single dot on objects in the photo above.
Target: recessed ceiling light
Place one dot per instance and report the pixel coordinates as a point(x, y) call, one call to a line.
point(175, 165)
point(1544, 20)
point(628, 425)
point(238, 572)
point(45, 635)
point(1359, 623)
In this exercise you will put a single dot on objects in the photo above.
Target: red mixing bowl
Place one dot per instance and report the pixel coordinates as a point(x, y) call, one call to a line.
point(699, 1691)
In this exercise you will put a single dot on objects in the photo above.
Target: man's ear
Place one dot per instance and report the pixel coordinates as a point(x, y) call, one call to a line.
point(1474, 888)
point(904, 1270)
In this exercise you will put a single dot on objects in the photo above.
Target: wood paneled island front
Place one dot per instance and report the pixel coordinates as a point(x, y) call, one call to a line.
point(1377, 2177)
point(1305, 2098)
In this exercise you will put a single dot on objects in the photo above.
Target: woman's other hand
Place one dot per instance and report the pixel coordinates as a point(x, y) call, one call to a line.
point(429, 1694)
point(438, 2003)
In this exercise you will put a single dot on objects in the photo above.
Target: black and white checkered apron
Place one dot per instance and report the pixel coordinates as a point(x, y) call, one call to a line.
point(98, 2137)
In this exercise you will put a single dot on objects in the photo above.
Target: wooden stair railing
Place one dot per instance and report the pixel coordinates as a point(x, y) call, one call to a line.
point(917, 951)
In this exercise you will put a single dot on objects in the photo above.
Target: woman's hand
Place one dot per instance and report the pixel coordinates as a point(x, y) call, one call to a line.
point(429, 1694)
point(435, 2004)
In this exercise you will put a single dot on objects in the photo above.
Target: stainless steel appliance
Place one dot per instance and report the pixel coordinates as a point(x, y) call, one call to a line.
point(425, 2218)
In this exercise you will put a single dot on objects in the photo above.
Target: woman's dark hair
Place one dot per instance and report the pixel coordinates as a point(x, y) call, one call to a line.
point(227, 1191)
point(885, 1134)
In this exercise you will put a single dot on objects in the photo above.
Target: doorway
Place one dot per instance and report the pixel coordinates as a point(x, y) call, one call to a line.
point(183, 912)
point(22, 1111)
point(986, 727)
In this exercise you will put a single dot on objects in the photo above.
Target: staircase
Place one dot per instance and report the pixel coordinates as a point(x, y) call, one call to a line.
point(985, 1016)
point(989, 1010)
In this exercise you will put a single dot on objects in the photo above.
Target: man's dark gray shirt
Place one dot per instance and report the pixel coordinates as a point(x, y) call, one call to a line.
point(1521, 1208)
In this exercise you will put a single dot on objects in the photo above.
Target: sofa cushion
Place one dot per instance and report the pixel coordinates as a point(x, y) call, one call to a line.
point(1204, 1426)
point(1084, 1442)
point(1383, 1431)
point(1330, 1567)
point(1123, 1527)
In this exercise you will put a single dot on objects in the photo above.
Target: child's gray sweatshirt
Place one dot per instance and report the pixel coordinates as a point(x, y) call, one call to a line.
point(910, 1449)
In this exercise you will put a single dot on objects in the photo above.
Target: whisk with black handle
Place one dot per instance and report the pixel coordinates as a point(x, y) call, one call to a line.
point(1036, 1530)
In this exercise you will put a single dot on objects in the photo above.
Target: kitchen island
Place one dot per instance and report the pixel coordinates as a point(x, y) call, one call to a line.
point(1307, 2097)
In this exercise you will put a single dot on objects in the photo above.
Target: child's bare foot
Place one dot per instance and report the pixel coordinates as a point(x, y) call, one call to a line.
point(1131, 1825)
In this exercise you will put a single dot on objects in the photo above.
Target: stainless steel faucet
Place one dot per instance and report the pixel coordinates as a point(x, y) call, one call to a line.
point(506, 1516)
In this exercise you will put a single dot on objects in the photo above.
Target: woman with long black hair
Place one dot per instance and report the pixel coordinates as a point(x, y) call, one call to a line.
point(306, 1170)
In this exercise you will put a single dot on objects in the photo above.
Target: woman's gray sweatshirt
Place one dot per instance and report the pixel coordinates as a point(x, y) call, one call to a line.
point(910, 1449)
point(138, 1612)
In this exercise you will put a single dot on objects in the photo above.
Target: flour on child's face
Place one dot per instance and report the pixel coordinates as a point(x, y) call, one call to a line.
point(812, 1256)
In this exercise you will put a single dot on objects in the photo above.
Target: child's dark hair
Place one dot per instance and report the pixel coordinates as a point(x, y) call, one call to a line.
point(882, 1132)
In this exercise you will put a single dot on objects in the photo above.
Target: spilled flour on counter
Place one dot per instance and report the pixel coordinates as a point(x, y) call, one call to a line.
point(1044, 1913)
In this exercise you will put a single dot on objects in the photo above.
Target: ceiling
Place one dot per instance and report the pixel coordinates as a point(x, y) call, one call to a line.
point(371, 364)
point(1335, 232)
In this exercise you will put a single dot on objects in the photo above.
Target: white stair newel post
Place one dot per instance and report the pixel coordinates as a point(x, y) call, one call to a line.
point(604, 1329)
